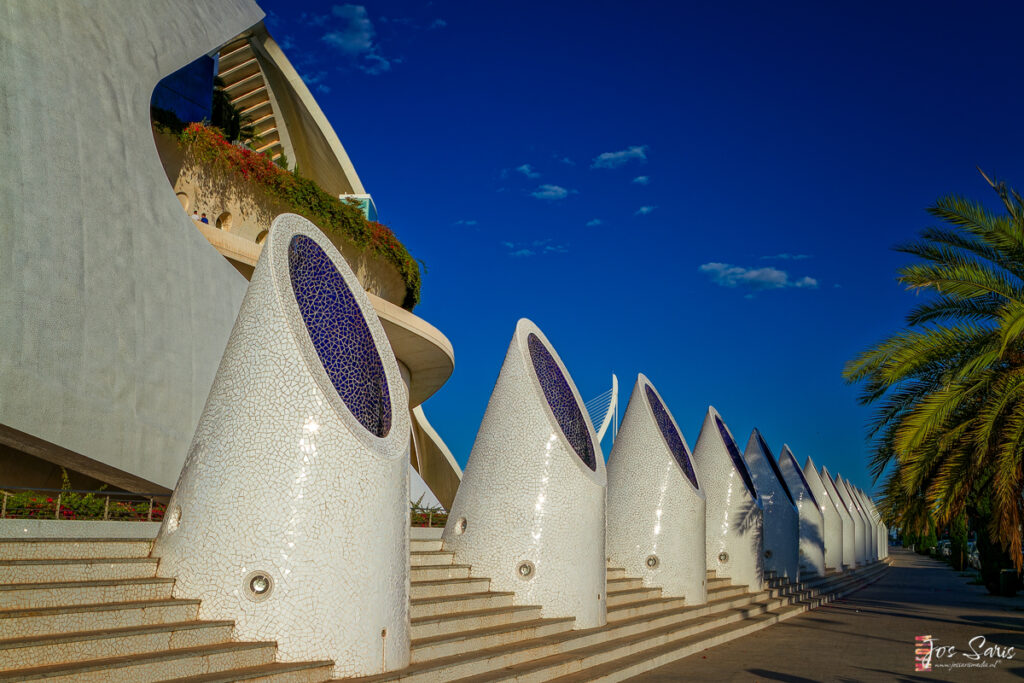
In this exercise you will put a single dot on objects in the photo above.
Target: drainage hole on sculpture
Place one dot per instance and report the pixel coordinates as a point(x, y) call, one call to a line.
point(652, 562)
point(258, 586)
point(723, 557)
point(526, 570)
point(460, 525)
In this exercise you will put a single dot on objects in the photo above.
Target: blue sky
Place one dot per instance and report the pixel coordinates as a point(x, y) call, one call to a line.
point(705, 193)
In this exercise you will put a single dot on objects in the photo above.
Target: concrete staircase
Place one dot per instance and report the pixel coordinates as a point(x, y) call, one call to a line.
point(94, 610)
point(246, 87)
point(502, 642)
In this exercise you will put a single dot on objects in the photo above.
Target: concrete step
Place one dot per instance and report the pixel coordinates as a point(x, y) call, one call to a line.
point(50, 571)
point(425, 545)
point(421, 573)
point(586, 658)
point(713, 583)
point(21, 623)
point(72, 548)
point(431, 558)
point(631, 595)
point(651, 658)
point(426, 627)
point(624, 583)
point(278, 672)
point(614, 573)
point(155, 666)
point(420, 608)
point(436, 589)
point(35, 595)
point(490, 637)
point(36, 651)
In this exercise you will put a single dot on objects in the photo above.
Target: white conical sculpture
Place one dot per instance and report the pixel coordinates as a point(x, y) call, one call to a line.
point(291, 515)
point(656, 508)
point(781, 518)
point(860, 532)
point(734, 516)
point(812, 520)
point(858, 510)
point(833, 536)
point(530, 512)
point(849, 527)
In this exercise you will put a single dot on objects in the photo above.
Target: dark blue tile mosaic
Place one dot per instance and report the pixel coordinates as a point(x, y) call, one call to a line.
point(803, 479)
point(737, 459)
point(775, 468)
point(562, 401)
point(340, 334)
point(670, 433)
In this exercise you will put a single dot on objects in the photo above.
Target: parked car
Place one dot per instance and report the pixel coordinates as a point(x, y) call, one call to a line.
point(944, 548)
point(973, 558)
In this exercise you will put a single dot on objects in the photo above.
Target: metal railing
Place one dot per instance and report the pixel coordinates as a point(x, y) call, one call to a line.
point(19, 502)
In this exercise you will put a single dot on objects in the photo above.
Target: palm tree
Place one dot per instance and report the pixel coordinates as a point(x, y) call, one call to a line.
point(949, 387)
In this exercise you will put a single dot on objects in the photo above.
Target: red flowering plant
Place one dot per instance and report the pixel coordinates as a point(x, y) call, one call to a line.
point(339, 220)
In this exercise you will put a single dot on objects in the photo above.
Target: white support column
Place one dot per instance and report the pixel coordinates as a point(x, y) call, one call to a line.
point(656, 508)
point(849, 527)
point(530, 512)
point(734, 516)
point(291, 515)
point(781, 518)
point(834, 526)
point(812, 519)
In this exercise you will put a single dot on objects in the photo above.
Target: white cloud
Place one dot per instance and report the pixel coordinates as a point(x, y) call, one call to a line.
point(437, 23)
point(616, 159)
point(565, 160)
point(786, 257)
point(527, 170)
point(728, 275)
point(593, 221)
point(642, 180)
point(354, 37)
point(464, 222)
point(644, 210)
point(519, 249)
point(551, 192)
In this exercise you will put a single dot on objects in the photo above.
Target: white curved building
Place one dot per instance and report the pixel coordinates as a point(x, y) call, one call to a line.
point(656, 508)
point(781, 518)
point(812, 519)
point(530, 512)
point(734, 547)
point(291, 513)
point(834, 524)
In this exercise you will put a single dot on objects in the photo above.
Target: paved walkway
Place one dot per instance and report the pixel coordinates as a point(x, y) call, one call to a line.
point(869, 635)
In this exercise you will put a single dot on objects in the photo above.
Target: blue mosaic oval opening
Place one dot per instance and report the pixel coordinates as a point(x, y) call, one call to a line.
point(562, 401)
point(340, 334)
point(775, 468)
point(737, 459)
point(671, 435)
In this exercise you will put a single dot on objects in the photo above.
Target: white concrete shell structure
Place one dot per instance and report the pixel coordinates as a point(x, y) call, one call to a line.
point(656, 509)
point(866, 554)
point(849, 527)
point(781, 518)
point(530, 512)
point(291, 513)
point(834, 527)
point(812, 519)
point(734, 516)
